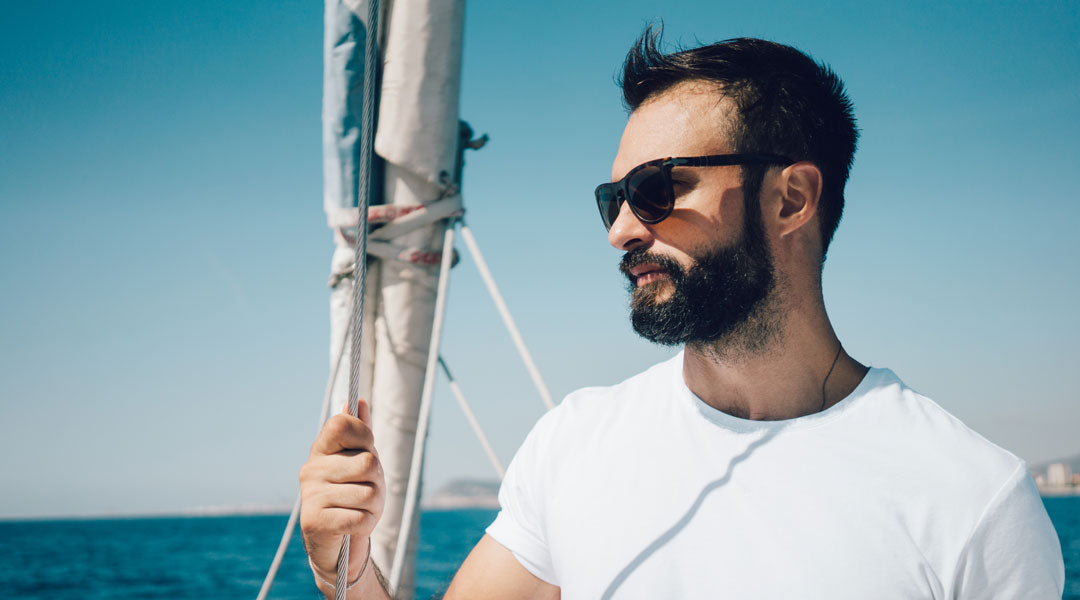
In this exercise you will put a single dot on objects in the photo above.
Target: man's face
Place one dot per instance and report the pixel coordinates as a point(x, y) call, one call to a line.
point(706, 270)
point(724, 286)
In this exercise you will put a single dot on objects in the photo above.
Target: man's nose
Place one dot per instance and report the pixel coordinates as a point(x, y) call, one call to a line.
point(627, 232)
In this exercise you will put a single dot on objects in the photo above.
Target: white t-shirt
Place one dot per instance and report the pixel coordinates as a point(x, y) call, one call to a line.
point(641, 490)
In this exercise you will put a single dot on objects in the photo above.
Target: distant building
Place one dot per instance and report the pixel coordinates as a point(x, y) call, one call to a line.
point(1059, 475)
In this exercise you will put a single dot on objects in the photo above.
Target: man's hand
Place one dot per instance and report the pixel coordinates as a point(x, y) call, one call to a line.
point(342, 491)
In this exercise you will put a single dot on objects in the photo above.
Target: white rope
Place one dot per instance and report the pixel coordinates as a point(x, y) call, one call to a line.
point(414, 255)
point(465, 408)
point(280, 554)
point(443, 208)
point(399, 219)
point(425, 412)
point(290, 527)
point(504, 312)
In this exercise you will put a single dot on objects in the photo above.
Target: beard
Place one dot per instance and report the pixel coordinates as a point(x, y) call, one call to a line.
point(721, 300)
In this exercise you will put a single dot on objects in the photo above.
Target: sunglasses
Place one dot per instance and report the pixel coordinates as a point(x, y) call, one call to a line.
point(647, 187)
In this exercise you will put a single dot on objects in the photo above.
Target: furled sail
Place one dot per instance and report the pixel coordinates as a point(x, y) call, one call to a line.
point(416, 143)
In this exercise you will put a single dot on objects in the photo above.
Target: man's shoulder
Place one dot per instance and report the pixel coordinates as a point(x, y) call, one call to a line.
point(929, 435)
point(968, 497)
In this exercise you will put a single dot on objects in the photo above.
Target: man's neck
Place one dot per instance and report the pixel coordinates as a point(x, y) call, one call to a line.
point(784, 379)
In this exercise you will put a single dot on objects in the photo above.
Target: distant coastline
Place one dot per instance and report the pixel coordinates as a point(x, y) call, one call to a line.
point(464, 493)
point(1053, 478)
point(456, 495)
point(199, 511)
point(1058, 492)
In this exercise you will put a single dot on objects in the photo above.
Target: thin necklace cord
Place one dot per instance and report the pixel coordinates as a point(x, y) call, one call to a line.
point(827, 375)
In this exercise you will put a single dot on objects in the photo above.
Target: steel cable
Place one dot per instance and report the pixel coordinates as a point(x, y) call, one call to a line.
point(364, 189)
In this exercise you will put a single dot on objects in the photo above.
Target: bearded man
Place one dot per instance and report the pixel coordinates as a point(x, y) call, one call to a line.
point(762, 461)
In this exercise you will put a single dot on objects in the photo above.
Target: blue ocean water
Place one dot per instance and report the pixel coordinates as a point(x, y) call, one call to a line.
point(196, 557)
point(1065, 514)
point(227, 557)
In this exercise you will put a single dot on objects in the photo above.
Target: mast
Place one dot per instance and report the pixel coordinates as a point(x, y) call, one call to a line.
point(409, 179)
point(416, 142)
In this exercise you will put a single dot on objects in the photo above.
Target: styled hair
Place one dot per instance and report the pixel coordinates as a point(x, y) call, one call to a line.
point(787, 103)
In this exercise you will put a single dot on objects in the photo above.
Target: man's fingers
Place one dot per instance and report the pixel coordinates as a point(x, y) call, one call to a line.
point(343, 508)
point(345, 467)
point(343, 432)
point(353, 496)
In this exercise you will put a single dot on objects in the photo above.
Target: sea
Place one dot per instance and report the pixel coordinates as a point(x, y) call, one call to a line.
point(227, 556)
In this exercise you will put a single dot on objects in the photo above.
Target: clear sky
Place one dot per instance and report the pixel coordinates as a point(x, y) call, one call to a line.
point(163, 251)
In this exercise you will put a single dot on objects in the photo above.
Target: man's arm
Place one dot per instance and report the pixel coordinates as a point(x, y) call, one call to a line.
point(1014, 551)
point(489, 573)
point(492, 572)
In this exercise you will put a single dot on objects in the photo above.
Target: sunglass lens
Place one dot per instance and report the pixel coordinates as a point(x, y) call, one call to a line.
point(650, 195)
point(608, 202)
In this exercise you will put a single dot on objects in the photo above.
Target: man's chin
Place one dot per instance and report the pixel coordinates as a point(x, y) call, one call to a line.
point(652, 324)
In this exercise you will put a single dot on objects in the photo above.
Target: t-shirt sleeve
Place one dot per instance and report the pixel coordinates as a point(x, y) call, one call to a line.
point(1014, 550)
point(520, 524)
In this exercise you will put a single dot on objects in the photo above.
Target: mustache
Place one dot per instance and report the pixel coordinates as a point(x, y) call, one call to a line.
point(642, 255)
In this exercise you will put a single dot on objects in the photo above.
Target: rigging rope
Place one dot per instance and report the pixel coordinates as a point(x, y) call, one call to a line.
point(465, 408)
point(504, 312)
point(364, 189)
point(413, 487)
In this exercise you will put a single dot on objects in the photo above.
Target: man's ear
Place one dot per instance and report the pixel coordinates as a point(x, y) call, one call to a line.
point(800, 195)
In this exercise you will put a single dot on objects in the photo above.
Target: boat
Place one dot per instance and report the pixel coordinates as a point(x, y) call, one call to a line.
point(393, 158)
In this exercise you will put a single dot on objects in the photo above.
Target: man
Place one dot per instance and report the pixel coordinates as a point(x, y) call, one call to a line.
point(763, 461)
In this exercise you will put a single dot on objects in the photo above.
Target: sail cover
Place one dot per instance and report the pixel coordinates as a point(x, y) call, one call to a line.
point(416, 142)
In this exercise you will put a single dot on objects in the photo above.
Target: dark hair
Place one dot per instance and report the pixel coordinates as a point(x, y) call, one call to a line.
point(788, 104)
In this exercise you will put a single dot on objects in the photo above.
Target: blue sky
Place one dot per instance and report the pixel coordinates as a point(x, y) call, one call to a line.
point(163, 252)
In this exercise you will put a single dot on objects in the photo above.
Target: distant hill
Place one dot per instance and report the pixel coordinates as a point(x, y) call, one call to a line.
point(1072, 461)
point(465, 493)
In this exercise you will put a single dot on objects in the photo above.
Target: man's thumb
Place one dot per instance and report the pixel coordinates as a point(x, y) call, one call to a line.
point(363, 411)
